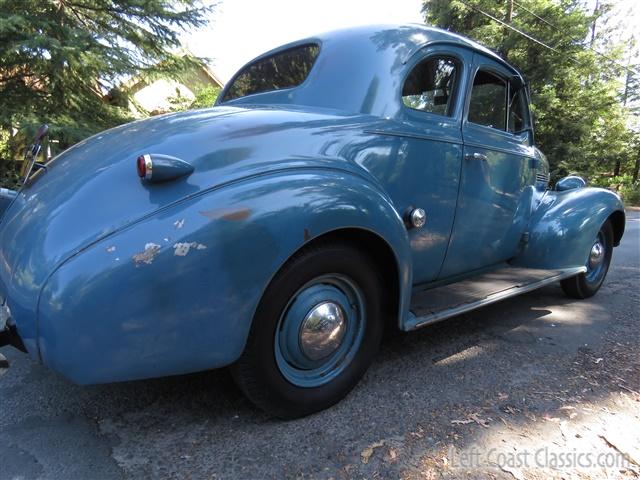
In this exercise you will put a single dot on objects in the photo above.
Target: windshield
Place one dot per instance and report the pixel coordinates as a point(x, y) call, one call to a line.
point(286, 69)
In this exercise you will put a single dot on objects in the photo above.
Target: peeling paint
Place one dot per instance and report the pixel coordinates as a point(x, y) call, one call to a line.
point(182, 249)
point(147, 256)
point(179, 224)
point(111, 249)
point(231, 214)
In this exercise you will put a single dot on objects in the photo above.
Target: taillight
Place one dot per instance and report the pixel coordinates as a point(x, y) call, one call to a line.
point(154, 167)
point(142, 167)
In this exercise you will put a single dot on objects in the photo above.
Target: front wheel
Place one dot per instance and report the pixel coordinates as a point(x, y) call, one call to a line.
point(586, 284)
point(315, 331)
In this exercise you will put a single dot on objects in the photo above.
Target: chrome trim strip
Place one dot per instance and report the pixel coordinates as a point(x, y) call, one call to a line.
point(508, 151)
point(396, 133)
point(495, 297)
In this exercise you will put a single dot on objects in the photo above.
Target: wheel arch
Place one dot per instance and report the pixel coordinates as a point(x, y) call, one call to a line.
point(381, 254)
point(617, 220)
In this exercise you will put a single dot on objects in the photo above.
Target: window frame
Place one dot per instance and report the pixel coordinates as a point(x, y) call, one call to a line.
point(526, 114)
point(499, 71)
point(284, 49)
point(496, 73)
point(457, 79)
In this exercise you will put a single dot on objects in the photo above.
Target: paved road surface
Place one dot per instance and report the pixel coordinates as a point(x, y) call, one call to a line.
point(538, 370)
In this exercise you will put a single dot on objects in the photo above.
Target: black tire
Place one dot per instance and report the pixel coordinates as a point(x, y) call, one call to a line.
point(257, 372)
point(587, 284)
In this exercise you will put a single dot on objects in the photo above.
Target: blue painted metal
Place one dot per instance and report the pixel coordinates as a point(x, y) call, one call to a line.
point(498, 173)
point(181, 311)
point(291, 361)
point(564, 226)
point(110, 278)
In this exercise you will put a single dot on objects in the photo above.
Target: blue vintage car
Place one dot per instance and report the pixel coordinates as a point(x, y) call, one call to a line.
point(370, 176)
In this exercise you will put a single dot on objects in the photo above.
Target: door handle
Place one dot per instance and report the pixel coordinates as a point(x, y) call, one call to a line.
point(476, 156)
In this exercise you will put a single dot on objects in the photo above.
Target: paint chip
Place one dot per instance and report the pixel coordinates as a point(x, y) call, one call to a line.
point(111, 249)
point(182, 249)
point(179, 224)
point(147, 256)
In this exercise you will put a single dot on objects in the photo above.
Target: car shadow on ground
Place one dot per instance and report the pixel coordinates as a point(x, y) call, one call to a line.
point(514, 361)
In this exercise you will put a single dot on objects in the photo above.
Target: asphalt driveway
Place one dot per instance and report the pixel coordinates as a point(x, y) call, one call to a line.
point(527, 379)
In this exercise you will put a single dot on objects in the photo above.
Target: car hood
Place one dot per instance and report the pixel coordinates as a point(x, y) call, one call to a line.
point(92, 189)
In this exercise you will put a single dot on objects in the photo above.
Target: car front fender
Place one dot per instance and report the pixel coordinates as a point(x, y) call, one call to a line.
point(176, 291)
point(565, 224)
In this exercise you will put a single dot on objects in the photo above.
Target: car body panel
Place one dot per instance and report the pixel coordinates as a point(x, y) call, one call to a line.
point(564, 226)
point(176, 291)
point(498, 170)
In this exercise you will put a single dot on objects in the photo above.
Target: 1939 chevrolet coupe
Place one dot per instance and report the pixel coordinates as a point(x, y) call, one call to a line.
point(342, 182)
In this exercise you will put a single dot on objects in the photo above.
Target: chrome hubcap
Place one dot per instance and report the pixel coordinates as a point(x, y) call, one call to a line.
point(322, 330)
point(596, 255)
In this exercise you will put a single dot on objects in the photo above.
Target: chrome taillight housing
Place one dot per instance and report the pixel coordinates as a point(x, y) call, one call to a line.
point(155, 167)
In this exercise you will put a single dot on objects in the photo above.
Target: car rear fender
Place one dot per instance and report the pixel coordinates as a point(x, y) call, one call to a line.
point(176, 292)
point(565, 224)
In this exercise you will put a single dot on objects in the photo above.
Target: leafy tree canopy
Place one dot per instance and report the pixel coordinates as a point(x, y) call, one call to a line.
point(61, 59)
point(580, 105)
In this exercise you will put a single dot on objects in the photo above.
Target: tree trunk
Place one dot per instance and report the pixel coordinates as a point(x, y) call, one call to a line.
point(593, 25)
point(505, 33)
point(616, 169)
point(636, 168)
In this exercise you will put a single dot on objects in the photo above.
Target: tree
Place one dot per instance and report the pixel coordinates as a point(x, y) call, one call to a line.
point(205, 97)
point(581, 121)
point(61, 59)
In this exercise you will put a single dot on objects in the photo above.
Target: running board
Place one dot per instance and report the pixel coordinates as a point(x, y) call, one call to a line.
point(436, 304)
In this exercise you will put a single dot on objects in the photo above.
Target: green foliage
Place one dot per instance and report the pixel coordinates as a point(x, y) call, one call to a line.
point(205, 97)
point(59, 58)
point(628, 189)
point(581, 122)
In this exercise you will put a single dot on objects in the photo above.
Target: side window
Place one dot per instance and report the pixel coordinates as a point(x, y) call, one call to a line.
point(286, 69)
point(518, 111)
point(488, 104)
point(430, 86)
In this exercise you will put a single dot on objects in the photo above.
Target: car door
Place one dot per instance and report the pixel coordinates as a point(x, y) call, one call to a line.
point(497, 172)
point(422, 168)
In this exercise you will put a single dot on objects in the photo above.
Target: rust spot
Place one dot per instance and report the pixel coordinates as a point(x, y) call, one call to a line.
point(147, 256)
point(307, 235)
point(231, 214)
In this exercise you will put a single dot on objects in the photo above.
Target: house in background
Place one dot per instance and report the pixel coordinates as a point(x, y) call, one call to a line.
point(164, 94)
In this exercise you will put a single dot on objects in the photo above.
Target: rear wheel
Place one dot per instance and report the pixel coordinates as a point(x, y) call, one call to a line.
point(586, 284)
point(315, 331)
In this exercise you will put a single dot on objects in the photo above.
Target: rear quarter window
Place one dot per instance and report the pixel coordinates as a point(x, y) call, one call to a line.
point(286, 69)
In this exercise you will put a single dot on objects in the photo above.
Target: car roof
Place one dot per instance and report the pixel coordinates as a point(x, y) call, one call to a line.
point(412, 36)
point(370, 58)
